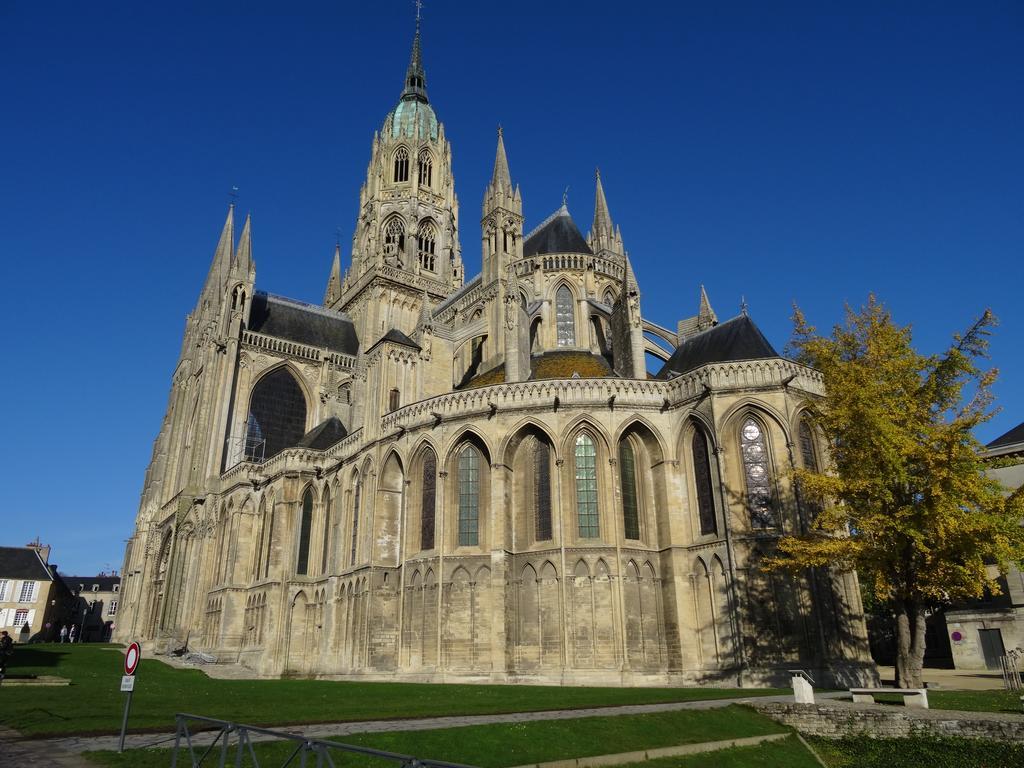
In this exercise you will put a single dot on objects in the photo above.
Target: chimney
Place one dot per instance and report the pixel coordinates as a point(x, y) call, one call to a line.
point(42, 549)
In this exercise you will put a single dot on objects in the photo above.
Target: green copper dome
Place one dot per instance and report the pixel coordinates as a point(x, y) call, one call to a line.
point(411, 119)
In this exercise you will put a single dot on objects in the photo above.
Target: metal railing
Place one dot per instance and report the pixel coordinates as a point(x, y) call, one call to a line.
point(305, 748)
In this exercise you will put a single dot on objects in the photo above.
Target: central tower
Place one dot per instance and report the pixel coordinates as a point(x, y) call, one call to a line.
point(405, 248)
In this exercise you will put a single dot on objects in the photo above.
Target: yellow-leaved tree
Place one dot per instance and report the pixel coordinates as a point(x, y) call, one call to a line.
point(904, 499)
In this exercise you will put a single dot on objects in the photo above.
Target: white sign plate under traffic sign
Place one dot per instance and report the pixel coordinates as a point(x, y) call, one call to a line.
point(127, 683)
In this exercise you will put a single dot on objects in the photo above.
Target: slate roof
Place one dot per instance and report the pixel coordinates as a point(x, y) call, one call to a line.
point(324, 435)
point(106, 583)
point(23, 563)
point(735, 339)
point(395, 336)
point(303, 323)
point(556, 234)
point(1014, 436)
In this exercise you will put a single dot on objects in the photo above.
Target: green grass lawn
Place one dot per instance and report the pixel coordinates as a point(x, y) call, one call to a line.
point(93, 704)
point(510, 744)
point(967, 701)
point(917, 752)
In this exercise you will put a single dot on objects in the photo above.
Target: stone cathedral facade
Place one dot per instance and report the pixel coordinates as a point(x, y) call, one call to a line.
point(435, 478)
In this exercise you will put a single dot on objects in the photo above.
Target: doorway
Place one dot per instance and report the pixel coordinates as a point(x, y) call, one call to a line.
point(991, 647)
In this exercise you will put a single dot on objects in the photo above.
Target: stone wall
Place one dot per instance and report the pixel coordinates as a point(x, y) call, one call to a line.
point(837, 719)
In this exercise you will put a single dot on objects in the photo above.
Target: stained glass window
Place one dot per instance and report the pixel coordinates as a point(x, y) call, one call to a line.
point(469, 496)
point(542, 489)
point(402, 164)
point(565, 318)
point(429, 501)
point(586, 488)
point(356, 499)
point(627, 475)
point(757, 474)
point(702, 479)
point(807, 453)
point(305, 527)
point(277, 416)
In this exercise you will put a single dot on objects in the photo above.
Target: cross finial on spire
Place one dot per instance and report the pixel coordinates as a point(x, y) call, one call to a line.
point(233, 194)
point(743, 306)
point(565, 198)
point(419, 7)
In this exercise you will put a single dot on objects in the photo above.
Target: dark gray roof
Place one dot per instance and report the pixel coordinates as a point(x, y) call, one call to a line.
point(324, 435)
point(1014, 436)
point(395, 336)
point(556, 234)
point(303, 323)
point(106, 583)
point(735, 339)
point(23, 563)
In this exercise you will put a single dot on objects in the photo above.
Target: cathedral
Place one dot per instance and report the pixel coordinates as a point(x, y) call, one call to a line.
point(435, 478)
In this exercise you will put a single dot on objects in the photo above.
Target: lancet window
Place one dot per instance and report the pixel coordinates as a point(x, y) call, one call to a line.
point(327, 531)
point(394, 238)
point(757, 473)
point(356, 503)
point(428, 502)
point(630, 498)
point(305, 528)
point(542, 489)
point(702, 479)
point(469, 495)
point(565, 319)
point(586, 487)
point(426, 169)
point(401, 164)
point(426, 246)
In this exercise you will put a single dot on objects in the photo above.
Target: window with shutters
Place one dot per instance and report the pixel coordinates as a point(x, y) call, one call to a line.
point(20, 617)
point(586, 487)
point(3, 589)
point(28, 592)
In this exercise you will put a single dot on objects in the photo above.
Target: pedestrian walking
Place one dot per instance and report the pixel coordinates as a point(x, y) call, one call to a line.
point(6, 650)
point(72, 633)
point(64, 633)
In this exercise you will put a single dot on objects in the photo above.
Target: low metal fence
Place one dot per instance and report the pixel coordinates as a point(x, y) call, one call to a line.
point(228, 734)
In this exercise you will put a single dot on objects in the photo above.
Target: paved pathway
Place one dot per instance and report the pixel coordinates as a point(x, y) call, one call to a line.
point(77, 744)
point(953, 679)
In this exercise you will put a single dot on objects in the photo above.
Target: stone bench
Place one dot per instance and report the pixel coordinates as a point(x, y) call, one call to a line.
point(912, 697)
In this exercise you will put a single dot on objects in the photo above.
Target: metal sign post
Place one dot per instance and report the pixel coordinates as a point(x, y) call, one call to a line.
point(131, 663)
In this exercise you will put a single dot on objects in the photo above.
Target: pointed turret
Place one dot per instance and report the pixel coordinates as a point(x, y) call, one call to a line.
point(415, 77)
point(706, 317)
point(604, 236)
point(501, 177)
point(333, 291)
point(627, 328)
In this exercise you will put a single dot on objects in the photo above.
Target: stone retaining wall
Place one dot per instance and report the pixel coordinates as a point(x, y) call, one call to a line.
point(837, 719)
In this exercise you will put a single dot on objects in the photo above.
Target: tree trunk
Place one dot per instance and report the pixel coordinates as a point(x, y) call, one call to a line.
point(909, 644)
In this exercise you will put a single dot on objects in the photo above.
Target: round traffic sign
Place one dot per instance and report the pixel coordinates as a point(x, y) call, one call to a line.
point(131, 658)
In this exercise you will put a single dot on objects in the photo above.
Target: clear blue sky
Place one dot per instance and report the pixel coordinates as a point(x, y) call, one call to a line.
point(807, 152)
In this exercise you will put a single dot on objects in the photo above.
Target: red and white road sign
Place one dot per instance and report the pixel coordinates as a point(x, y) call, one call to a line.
point(131, 659)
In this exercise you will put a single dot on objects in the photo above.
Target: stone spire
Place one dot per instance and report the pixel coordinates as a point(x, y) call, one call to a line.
point(706, 317)
point(415, 77)
point(221, 266)
point(501, 176)
point(242, 263)
point(602, 219)
point(333, 292)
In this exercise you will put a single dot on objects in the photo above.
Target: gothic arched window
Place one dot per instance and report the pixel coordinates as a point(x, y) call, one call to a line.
point(327, 531)
point(277, 416)
point(394, 237)
point(426, 169)
point(356, 501)
point(586, 487)
point(401, 164)
point(542, 489)
point(702, 479)
point(565, 319)
point(757, 474)
point(305, 528)
point(630, 498)
point(808, 452)
point(428, 500)
point(469, 496)
point(426, 245)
